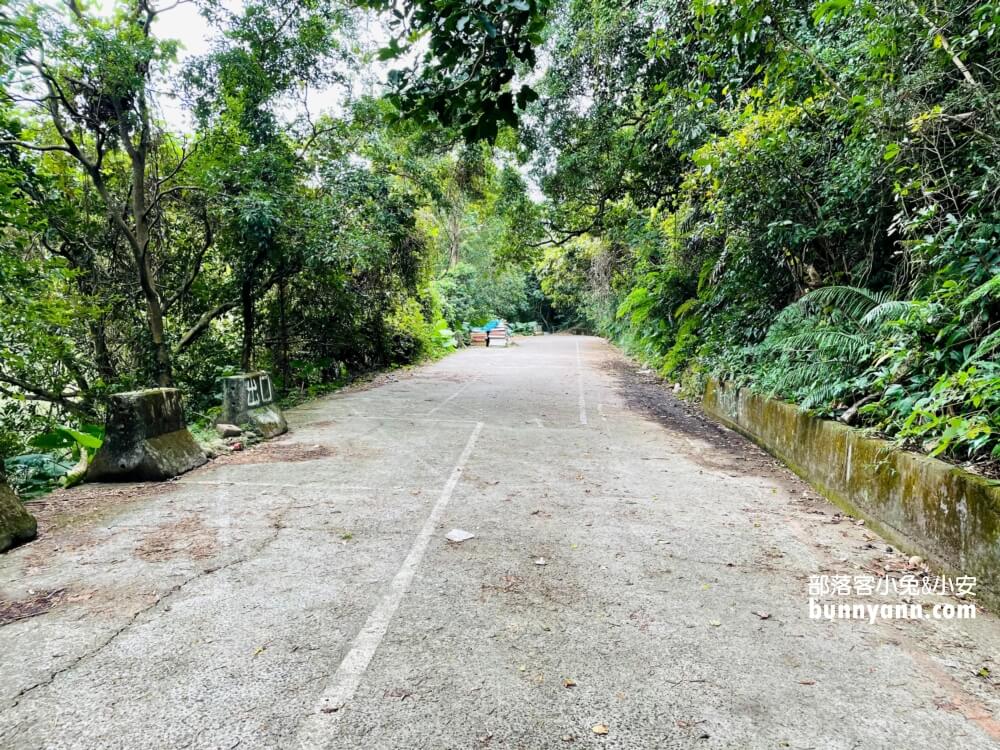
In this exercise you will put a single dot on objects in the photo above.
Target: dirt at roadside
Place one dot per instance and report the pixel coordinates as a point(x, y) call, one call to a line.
point(818, 521)
point(77, 505)
point(647, 393)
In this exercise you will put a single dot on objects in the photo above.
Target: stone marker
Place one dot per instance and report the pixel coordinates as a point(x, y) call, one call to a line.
point(17, 525)
point(145, 438)
point(249, 400)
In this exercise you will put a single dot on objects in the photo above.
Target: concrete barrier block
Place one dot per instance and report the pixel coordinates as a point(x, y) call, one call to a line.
point(17, 525)
point(145, 438)
point(248, 399)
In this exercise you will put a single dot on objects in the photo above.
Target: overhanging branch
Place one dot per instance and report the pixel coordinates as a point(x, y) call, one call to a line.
point(201, 325)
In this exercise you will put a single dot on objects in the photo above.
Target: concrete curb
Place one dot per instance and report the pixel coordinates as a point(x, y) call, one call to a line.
point(921, 504)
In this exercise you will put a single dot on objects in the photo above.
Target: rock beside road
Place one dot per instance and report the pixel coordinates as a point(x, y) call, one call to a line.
point(17, 525)
point(228, 430)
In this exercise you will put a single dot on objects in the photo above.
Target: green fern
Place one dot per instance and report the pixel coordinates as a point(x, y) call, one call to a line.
point(853, 301)
point(987, 345)
point(687, 307)
point(983, 290)
point(831, 344)
point(822, 344)
point(894, 309)
point(636, 305)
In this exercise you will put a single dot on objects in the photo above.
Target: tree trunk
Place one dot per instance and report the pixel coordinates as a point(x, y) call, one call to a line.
point(102, 355)
point(454, 238)
point(247, 303)
point(89, 284)
point(283, 368)
point(147, 280)
point(161, 352)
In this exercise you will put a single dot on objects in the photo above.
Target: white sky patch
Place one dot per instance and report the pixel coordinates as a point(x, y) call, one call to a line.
point(186, 25)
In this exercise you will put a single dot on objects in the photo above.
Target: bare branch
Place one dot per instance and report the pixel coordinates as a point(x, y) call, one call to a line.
point(201, 325)
point(170, 191)
point(177, 167)
point(39, 393)
point(938, 32)
point(195, 267)
point(33, 147)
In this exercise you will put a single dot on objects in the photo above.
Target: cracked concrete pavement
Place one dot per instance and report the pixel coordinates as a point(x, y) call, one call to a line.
point(303, 595)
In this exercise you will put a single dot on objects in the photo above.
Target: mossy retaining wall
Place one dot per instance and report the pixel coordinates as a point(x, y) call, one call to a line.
point(924, 506)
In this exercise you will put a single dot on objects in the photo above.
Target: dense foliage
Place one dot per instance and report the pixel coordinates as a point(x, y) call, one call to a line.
point(137, 250)
point(800, 196)
point(469, 53)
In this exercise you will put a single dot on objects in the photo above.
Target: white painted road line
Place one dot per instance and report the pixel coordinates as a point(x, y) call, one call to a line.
point(454, 395)
point(380, 418)
point(579, 383)
point(284, 485)
point(348, 676)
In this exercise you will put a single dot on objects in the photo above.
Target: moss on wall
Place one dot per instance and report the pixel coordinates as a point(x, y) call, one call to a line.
point(922, 504)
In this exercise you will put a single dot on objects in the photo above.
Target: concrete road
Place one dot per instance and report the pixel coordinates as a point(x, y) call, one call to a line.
point(634, 570)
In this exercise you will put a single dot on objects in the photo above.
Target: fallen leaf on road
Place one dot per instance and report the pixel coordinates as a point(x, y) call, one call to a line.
point(397, 692)
point(684, 724)
point(600, 729)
